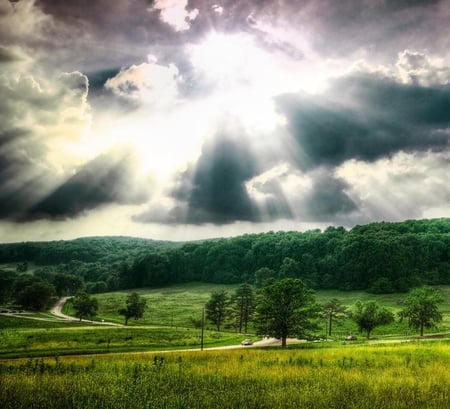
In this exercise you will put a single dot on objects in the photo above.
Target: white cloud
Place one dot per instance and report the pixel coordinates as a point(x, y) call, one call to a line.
point(25, 23)
point(52, 116)
point(148, 83)
point(418, 68)
point(217, 9)
point(174, 13)
point(402, 187)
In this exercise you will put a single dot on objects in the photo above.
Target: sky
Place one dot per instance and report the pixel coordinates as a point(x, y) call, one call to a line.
point(193, 119)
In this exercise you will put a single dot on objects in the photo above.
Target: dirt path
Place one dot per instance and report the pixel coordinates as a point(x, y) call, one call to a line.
point(57, 310)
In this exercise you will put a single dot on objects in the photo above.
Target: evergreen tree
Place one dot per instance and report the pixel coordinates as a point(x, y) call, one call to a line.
point(244, 306)
point(217, 308)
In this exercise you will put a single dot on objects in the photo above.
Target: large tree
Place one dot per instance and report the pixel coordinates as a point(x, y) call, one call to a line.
point(84, 305)
point(37, 295)
point(333, 311)
point(217, 308)
point(369, 315)
point(244, 306)
point(135, 307)
point(287, 308)
point(421, 308)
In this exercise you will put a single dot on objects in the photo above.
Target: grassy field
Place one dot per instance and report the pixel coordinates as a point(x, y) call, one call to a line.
point(62, 364)
point(168, 324)
point(40, 338)
point(178, 306)
point(396, 376)
point(174, 306)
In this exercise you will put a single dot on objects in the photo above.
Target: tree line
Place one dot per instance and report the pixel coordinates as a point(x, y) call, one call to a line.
point(378, 257)
point(288, 308)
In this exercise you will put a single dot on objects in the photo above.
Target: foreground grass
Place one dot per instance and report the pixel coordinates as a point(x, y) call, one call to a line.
point(401, 376)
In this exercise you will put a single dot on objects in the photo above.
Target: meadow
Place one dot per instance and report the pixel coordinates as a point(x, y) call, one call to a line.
point(171, 321)
point(59, 364)
point(396, 376)
point(181, 306)
point(29, 338)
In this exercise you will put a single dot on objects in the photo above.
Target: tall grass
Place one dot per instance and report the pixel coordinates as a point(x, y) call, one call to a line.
point(396, 376)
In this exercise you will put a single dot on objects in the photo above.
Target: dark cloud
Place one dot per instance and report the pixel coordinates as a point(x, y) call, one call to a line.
point(375, 117)
point(102, 33)
point(213, 189)
point(21, 177)
point(98, 78)
point(102, 181)
point(328, 198)
point(217, 190)
point(8, 55)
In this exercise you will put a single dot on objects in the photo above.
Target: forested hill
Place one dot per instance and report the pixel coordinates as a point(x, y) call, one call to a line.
point(378, 257)
point(102, 249)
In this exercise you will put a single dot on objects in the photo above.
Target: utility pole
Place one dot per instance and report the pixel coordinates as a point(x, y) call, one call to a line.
point(203, 328)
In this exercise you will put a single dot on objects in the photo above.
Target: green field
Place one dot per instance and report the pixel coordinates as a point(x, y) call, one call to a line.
point(61, 364)
point(170, 322)
point(396, 376)
point(177, 306)
point(174, 306)
point(51, 339)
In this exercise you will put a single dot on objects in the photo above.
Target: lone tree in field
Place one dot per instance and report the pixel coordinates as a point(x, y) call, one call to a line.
point(369, 315)
point(287, 308)
point(333, 311)
point(420, 308)
point(135, 307)
point(244, 306)
point(84, 305)
point(217, 308)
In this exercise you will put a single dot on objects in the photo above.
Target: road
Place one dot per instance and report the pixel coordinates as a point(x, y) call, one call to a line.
point(57, 310)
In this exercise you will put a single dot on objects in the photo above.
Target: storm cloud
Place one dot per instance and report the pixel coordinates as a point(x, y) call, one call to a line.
point(373, 118)
point(212, 118)
point(99, 182)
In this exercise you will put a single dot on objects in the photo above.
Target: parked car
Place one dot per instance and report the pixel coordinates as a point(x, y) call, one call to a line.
point(351, 338)
point(247, 342)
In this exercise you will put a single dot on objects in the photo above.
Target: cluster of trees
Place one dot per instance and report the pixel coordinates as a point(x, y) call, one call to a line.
point(86, 306)
point(287, 308)
point(237, 310)
point(37, 291)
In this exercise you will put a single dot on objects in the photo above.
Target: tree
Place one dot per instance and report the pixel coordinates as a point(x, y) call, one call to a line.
point(289, 268)
point(217, 308)
point(6, 285)
point(244, 305)
point(420, 308)
point(287, 308)
point(333, 310)
point(84, 305)
point(66, 284)
point(369, 315)
point(135, 307)
point(37, 295)
point(263, 276)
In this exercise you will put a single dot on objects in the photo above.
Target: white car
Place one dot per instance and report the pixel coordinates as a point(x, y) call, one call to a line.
point(247, 342)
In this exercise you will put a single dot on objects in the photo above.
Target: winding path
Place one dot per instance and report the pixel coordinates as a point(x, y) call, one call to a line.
point(57, 311)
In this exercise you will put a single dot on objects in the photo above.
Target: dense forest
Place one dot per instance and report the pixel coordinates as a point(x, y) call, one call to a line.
point(378, 257)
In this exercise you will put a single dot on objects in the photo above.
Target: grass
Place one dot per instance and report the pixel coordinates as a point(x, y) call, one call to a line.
point(180, 305)
point(82, 339)
point(46, 373)
point(400, 376)
point(174, 306)
point(168, 324)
